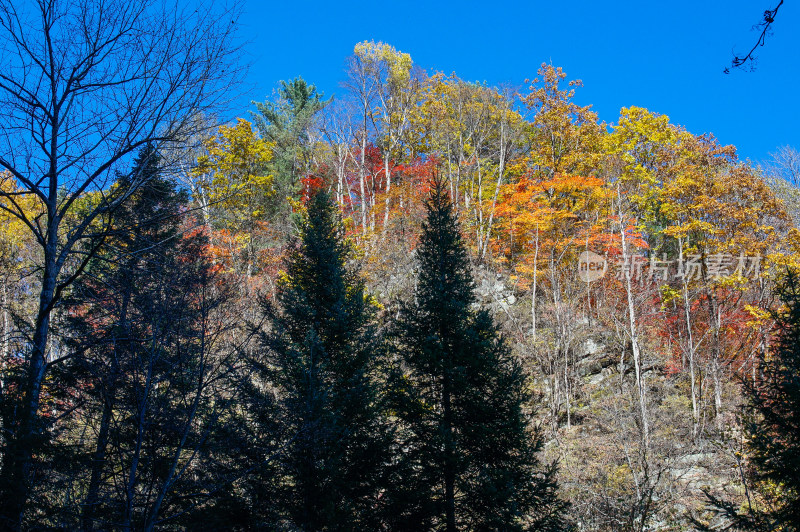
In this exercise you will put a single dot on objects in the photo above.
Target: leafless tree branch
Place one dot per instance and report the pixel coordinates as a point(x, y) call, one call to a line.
point(765, 26)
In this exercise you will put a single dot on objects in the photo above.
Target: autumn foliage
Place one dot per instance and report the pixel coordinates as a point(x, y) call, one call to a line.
point(204, 296)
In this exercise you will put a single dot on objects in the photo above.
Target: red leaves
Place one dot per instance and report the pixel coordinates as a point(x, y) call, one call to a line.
point(311, 184)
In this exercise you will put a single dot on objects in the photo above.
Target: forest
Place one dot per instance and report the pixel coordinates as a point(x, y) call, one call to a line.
point(423, 303)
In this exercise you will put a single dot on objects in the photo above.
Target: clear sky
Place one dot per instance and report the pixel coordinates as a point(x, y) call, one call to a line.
point(665, 55)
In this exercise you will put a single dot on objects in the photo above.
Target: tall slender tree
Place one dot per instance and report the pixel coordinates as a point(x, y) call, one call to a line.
point(322, 354)
point(472, 457)
point(287, 123)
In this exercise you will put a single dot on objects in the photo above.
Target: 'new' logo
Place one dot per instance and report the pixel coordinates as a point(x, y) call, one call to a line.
point(591, 266)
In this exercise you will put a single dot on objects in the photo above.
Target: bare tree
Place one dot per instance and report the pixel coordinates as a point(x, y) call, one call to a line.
point(785, 163)
point(782, 173)
point(364, 92)
point(84, 85)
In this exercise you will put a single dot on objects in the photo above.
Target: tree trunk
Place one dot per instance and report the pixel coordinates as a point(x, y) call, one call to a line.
point(98, 461)
point(21, 445)
point(633, 332)
point(449, 457)
point(388, 176)
point(101, 447)
point(362, 175)
point(535, 277)
point(500, 171)
point(690, 348)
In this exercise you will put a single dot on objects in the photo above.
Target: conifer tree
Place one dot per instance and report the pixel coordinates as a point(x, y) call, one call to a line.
point(322, 355)
point(470, 456)
point(142, 337)
point(286, 123)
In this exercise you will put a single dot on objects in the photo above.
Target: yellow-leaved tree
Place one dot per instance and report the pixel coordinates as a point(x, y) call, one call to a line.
point(725, 226)
point(235, 179)
point(18, 252)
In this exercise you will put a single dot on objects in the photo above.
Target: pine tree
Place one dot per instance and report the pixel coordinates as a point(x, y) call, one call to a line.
point(470, 457)
point(322, 355)
point(286, 123)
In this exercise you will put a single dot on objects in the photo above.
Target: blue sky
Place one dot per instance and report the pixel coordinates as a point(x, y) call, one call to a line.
point(667, 56)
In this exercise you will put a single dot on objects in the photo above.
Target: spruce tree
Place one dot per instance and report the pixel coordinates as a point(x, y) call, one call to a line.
point(469, 460)
point(322, 355)
point(141, 337)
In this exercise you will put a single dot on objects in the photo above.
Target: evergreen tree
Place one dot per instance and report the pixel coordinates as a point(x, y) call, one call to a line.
point(470, 457)
point(774, 438)
point(322, 355)
point(142, 324)
point(286, 123)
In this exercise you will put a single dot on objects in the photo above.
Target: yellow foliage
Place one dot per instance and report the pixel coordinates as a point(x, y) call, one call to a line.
point(236, 162)
point(14, 235)
point(398, 64)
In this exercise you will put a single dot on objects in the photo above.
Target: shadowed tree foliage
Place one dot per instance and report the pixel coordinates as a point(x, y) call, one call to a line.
point(322, 354)
point(151, 389)
point(774, 436)
point(84, 87)
point(471, 457)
